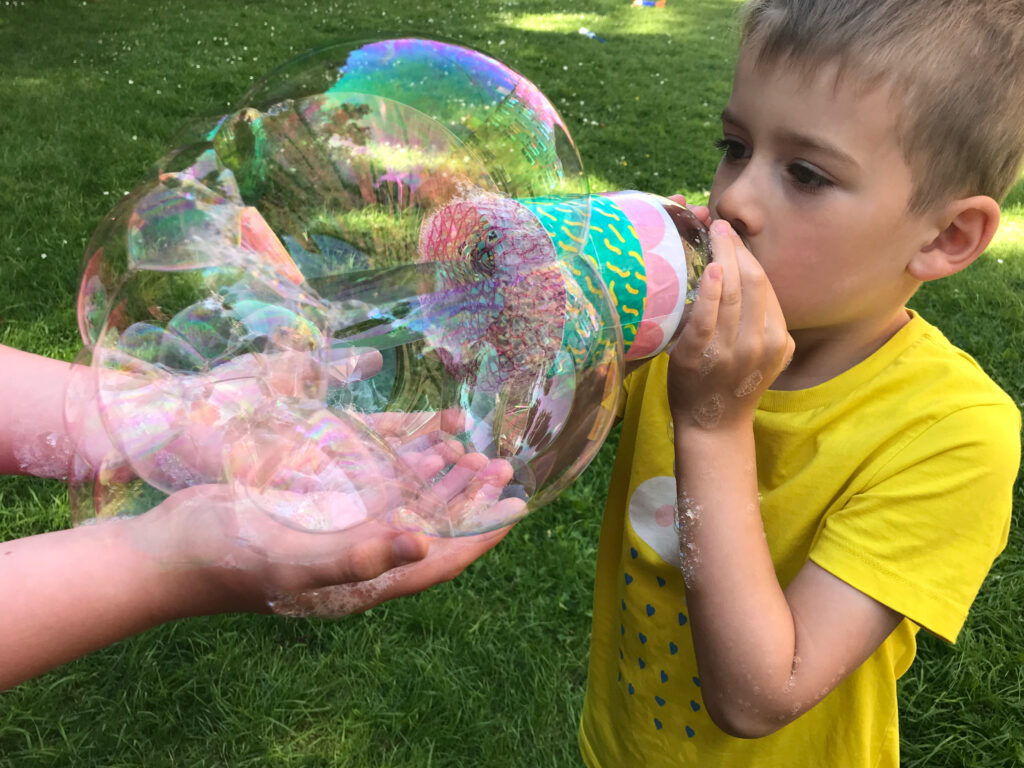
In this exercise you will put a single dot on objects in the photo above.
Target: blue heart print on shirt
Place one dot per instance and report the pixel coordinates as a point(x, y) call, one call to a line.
point(653, 605)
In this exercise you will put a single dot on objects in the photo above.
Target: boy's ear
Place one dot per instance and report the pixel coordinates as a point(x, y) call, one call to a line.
point(970, 223)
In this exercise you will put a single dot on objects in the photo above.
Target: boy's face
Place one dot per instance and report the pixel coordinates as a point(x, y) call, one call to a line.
point(814, 181)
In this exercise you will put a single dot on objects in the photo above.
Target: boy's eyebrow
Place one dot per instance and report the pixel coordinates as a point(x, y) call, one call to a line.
point(803, 141)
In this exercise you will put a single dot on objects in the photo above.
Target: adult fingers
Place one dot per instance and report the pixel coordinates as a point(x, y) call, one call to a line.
point(365, 555)
point(358, 552)
point(352, 364)
point(404, 425)
point(472, 491)
point(446, 559)
point(472, 474)
point(430, 458)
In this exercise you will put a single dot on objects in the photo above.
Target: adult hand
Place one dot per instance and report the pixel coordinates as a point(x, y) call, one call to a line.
point(205, 551)
point(472, 490)
point(174, 429)
point(250, 559)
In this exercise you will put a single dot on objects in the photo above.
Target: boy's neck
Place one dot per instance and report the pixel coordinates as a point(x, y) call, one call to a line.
point(824, 353)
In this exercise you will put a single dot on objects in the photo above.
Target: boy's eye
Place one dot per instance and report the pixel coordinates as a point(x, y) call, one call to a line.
point(807, 178)
point(732, 149)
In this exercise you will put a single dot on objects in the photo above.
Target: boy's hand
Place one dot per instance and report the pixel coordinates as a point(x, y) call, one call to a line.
point(734, 343)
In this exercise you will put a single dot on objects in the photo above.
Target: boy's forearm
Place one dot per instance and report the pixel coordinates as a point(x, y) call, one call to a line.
point(743, 630)
point(66, 593)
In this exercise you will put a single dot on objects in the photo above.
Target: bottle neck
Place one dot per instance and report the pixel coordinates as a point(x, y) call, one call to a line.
point(647, 252)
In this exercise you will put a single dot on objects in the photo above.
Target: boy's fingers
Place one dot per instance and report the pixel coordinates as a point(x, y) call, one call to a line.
point(703, 313)
point(723, 245)
point(755, 289)
point(777, 336)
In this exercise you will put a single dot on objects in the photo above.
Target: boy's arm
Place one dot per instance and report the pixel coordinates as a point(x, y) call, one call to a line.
point(765, 655)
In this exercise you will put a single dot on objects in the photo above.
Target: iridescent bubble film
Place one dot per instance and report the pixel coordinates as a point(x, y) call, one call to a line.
point(384, 259)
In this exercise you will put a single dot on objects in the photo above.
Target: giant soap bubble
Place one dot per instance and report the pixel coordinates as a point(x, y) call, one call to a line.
point(386, 252)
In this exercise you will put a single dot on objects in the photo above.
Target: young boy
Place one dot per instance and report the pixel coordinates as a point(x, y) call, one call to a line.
point(823, 511)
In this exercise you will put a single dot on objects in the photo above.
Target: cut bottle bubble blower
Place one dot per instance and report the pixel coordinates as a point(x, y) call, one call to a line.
point(385, 258)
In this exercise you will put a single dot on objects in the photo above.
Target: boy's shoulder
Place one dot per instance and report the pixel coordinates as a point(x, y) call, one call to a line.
point(927, 360)
point(918, 385)
point(918, 400)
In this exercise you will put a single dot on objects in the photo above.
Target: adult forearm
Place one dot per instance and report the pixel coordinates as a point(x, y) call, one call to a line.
point(743, 629)
point(33, 436)
point(31, 411)
point(66, 593)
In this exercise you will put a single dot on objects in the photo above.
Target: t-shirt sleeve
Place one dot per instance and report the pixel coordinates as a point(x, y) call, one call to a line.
point(923, 533)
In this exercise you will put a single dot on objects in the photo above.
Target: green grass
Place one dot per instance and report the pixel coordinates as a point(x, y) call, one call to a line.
point(488, 670)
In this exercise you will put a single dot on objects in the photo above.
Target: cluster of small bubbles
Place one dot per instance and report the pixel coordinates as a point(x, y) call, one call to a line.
point(45, 455)
point(687, 512)
point(686, 522)
point(749, 384)
point(689, 560)
point(335, 601)
point(708, 413)
point(791, 680)
point(708, 360)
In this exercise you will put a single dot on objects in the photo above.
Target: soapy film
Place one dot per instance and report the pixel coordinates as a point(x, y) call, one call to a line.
point(332, 293)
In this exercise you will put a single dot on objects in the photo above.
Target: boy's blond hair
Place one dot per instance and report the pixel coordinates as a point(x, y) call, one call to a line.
point(956, 68)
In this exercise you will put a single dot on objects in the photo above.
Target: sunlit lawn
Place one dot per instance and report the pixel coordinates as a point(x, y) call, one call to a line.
point(489, 670)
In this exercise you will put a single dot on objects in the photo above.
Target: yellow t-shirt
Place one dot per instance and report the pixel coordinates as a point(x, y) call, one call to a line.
point(896, 476)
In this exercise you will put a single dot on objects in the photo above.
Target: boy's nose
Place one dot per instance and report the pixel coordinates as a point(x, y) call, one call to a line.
point(738, 202)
